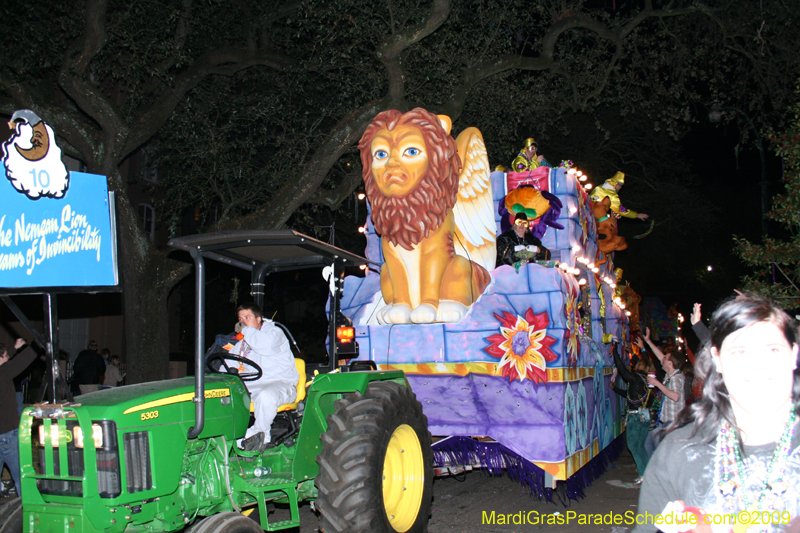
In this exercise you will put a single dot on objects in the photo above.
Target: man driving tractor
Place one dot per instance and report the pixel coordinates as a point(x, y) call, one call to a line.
point(266, 345)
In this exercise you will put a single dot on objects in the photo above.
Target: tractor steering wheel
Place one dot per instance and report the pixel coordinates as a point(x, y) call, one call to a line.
point(255, 374)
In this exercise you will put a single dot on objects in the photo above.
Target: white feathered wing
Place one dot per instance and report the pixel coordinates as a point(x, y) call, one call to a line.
point(474, 209)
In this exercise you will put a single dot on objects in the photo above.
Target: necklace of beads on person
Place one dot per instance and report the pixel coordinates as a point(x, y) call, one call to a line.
point(734, 482)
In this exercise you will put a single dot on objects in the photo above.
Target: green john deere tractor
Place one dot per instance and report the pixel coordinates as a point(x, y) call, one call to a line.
point(162, 456)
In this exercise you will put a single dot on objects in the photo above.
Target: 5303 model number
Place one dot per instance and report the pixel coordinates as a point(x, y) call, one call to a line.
point(149, 415)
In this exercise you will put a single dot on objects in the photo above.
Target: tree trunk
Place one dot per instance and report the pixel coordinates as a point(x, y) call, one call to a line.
point(146, 321)
point(147, 276)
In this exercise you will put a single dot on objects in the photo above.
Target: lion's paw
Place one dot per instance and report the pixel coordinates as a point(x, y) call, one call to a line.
point(424, 314)
point(382, 314)
point(395, 314)
point(451, 312)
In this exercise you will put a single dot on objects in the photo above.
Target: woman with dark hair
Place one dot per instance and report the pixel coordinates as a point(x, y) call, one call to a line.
point(734, 455)
point(639, 397)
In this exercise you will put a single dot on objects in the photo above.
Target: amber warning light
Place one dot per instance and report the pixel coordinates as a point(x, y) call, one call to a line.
point(345, 334)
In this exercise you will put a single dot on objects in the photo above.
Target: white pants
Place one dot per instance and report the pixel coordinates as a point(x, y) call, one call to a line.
point(267, 397)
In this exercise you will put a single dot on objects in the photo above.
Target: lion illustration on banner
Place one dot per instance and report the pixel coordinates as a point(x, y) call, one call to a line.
point(435, 216)
point(32, 158)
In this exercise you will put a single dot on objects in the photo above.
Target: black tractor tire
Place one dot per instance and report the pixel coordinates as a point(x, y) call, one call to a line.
point(11, 516)
point(365, 470)
point(227, 523)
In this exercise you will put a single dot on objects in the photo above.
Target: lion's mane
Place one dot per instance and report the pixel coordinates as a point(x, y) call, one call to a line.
point(406, 220)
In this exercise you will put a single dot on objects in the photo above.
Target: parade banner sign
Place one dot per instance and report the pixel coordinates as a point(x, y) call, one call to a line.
point(58, 242)
point(57, 227)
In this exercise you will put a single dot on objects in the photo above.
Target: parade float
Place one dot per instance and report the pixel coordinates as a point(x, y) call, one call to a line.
point(512, 363)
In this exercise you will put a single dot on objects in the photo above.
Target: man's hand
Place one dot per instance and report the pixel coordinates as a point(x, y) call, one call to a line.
point(19, 343)
point(653, 381)
point(696, 315)
point(642, 216)
point(639, 342)
point(647, 334)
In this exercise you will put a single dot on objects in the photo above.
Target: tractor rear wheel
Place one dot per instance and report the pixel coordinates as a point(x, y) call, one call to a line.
point(227, 523)
point(376, 461)
point(11, 517)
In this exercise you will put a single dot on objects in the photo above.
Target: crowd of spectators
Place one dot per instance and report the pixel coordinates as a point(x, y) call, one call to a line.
point(657, 388)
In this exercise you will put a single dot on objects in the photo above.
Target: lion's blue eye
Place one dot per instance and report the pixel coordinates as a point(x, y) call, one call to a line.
point(381, 154)
point(412, 152)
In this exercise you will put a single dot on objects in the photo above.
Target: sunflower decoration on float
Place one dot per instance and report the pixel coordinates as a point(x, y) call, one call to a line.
point(522, 346)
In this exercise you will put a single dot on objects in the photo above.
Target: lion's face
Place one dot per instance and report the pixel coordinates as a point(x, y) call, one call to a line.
point(399, 160)
point(410, 166)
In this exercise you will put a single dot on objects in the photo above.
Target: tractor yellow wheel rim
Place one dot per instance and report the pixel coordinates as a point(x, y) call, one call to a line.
point(403, 478)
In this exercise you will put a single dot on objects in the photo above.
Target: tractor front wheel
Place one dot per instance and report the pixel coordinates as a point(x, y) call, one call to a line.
point(227, 523)
point(375, 471)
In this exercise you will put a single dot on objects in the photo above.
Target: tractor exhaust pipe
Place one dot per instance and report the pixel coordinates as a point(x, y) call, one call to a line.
point(199, 354)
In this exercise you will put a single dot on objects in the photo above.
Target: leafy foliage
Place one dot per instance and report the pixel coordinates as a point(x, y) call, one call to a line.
point(776, 262)
point(512, 69)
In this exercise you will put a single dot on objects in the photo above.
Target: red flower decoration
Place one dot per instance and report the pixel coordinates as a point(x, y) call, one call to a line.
point(522, 346)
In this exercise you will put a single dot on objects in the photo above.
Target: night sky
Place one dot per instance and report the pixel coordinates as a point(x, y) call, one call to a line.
point(731, 184)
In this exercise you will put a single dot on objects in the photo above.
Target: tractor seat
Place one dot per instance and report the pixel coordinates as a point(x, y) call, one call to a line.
point(300, 365)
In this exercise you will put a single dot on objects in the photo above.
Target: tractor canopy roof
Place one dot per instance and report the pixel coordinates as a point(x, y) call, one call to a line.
point(274, 250)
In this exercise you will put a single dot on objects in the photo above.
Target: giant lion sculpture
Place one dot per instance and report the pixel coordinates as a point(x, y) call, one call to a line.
point(434, 215)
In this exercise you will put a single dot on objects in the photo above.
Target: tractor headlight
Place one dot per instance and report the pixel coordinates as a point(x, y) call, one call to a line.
point(53, 436)
point(97, 435)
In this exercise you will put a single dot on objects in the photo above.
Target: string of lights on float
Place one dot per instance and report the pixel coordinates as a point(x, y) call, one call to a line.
point(680, 321)
point(361, 196)
point(590, 266)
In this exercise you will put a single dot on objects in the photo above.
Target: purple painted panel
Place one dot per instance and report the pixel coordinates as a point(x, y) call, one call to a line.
point(526, 418)
point(488, 304)
point(507, 281)
point(538, 302)
point(420, 343)
point(360, 291)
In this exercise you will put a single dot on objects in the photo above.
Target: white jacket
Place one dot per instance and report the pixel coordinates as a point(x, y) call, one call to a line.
point(269, 349)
